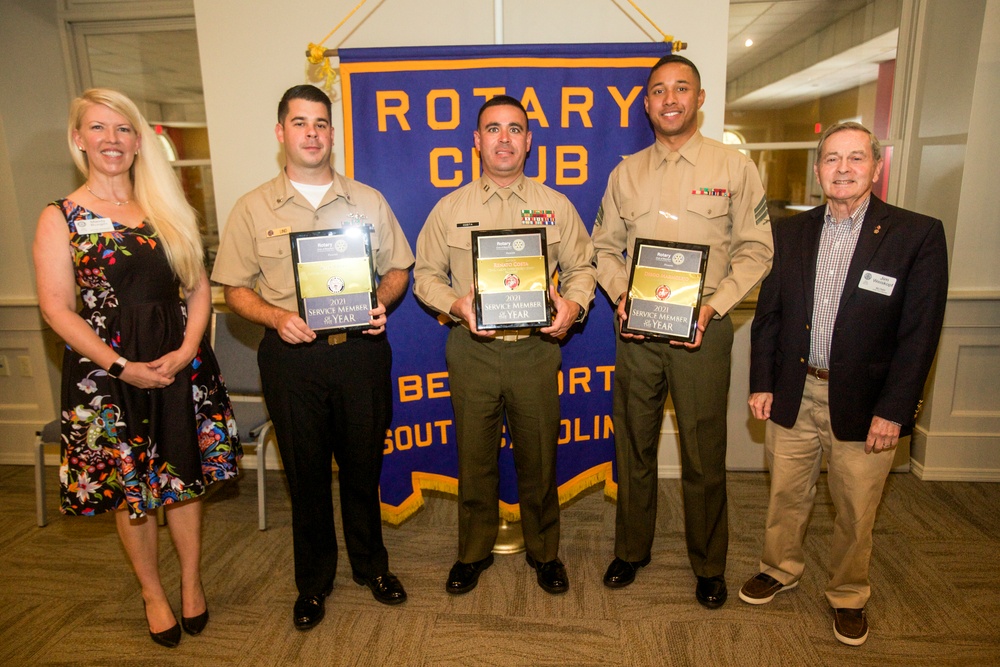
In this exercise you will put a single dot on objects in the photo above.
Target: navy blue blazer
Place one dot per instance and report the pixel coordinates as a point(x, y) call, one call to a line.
point(882, 345)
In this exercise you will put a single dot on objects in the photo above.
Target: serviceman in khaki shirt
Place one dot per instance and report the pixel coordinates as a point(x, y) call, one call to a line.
point(688, 189)
point(511, 372)
point(331, 395)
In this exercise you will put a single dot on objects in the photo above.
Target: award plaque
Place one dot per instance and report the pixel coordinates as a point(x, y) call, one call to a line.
point(511, 278)
point(664, 291)
point(334, 278)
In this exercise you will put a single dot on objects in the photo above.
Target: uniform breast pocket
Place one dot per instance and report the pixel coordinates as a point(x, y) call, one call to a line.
point(708, 207)
point(372, 234)
point(460, 254)
point(275, 260)
point(552, 236)
point(640, 221)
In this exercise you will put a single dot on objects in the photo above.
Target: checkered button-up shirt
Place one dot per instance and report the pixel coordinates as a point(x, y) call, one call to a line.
point(836, 248)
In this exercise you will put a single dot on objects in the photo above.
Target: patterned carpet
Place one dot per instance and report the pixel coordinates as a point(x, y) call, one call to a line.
point(69, 598)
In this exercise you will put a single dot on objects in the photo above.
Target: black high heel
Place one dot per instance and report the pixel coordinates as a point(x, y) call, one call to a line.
point(170, 637)
point(195, 624)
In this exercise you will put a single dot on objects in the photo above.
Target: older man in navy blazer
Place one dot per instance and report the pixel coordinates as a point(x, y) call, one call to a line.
point(845, 332)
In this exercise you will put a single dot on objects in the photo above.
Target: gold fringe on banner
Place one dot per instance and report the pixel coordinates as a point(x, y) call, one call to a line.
point(317, 55)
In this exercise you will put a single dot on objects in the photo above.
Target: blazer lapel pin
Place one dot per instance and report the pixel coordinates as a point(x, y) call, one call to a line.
point(878, 228)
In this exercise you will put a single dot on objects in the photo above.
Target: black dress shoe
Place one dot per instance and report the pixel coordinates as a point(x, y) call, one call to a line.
point(551, 575)
point(309, 611)
point(464, 576)
point(195, 624)
point(385, 588)
point(169, 638)
point(621, 573)
point(711, 591)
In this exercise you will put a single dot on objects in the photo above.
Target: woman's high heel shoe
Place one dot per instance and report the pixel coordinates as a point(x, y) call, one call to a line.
point(195, 624)
point(170, 637)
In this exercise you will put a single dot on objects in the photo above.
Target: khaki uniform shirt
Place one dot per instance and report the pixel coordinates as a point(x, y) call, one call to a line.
point(713, 197)
point(443, 272)
point(256, 251)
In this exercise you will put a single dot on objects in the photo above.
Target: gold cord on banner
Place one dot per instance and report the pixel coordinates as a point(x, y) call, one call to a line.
point(677, 46)
point(317, 54)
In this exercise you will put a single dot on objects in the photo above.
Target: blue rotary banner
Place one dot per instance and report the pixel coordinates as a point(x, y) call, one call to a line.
point(409, 115)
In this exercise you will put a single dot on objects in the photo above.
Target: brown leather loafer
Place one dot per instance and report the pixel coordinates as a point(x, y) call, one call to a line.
point(850, 626)
point(761, 589)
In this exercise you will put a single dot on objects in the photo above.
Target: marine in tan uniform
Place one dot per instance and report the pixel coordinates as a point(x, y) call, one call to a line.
point(688, 189)
point(512, 373)
point(327, 396)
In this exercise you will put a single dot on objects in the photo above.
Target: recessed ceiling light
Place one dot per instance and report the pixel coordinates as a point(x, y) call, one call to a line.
point(748, 43)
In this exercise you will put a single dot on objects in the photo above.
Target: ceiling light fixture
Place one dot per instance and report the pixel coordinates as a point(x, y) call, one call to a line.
point(748, 43)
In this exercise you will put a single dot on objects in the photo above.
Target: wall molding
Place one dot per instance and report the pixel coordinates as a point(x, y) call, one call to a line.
point(934, 474)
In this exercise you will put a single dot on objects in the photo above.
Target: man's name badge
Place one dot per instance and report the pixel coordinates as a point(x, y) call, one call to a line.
point(665, 289)
point(334, 278)
point(876, 282)
point(278, 231)
point(94, 226)
point(511, 279)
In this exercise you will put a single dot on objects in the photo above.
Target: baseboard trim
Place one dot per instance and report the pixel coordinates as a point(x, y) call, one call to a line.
point(933, 474)
point(663, 472)
point(668, 471)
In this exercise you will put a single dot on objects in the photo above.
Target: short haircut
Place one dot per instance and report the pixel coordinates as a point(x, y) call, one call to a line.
point(674, 58)
point(850, 125)
point(307, 92)
point(502, 101)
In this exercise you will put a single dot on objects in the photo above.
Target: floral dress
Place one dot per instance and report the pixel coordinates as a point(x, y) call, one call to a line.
point(121, 445)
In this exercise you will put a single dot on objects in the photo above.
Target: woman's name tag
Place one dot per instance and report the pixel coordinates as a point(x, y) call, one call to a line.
point(94, 226)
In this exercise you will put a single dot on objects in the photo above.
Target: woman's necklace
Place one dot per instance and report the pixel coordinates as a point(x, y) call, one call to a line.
point(110, 201)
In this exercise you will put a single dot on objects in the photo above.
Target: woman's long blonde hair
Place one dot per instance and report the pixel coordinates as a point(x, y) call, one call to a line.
point(155, 186)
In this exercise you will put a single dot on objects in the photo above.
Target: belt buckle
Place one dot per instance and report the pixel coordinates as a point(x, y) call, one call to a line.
point(514, 335)
point(337, 338)
point(818, 373)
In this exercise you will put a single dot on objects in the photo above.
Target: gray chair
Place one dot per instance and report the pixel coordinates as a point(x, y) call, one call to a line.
point(235, 342)
point(50, 434)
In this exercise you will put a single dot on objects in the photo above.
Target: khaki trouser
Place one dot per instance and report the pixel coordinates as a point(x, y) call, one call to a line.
point(855, 480)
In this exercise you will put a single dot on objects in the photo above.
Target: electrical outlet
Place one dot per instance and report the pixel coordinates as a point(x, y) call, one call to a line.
point(4, 366)
point(24, 366)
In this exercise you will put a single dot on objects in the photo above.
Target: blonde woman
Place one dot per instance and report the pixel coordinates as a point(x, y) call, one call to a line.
point(146, 420)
